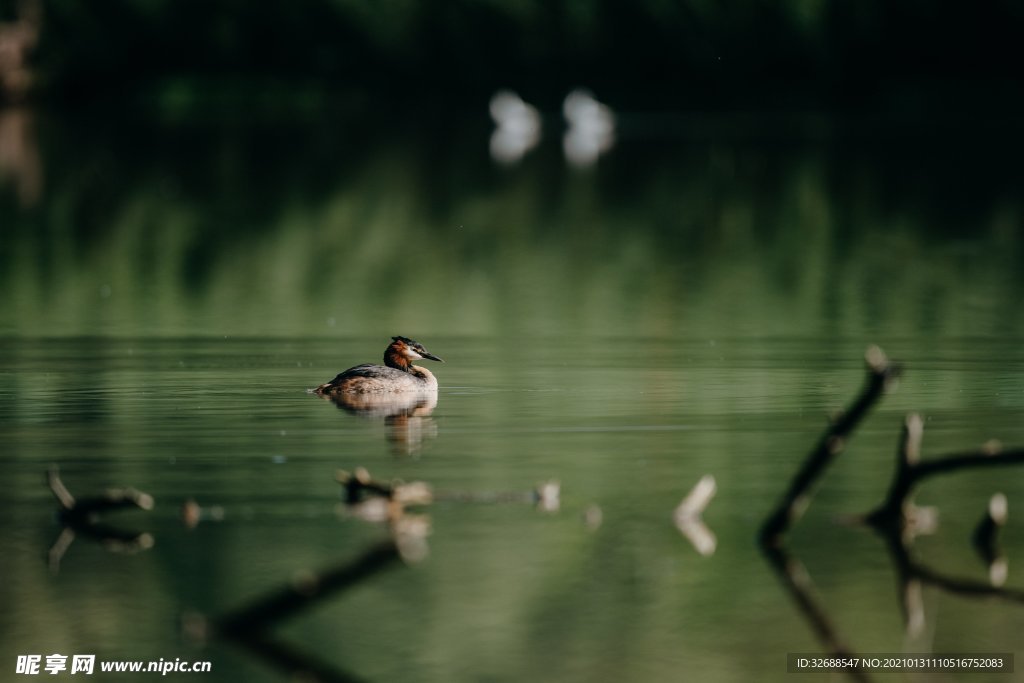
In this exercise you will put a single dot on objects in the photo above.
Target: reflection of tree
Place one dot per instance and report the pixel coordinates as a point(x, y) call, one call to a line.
point(250, 625)
point(897, 520)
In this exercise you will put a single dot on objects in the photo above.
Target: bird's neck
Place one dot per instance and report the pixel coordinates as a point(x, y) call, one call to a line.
point(394, 359)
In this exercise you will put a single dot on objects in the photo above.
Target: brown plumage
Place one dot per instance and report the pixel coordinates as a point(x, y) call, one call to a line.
point(398, 374)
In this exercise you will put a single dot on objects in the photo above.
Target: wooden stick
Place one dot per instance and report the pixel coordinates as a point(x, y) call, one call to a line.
point(64, 497)
point(797, 497)
point(911, 470)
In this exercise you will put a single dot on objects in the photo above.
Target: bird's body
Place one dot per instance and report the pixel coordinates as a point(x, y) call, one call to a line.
point(397, 375)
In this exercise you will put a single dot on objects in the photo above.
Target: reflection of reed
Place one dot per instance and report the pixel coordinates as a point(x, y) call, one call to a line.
point(81, 517)
point(406, 415)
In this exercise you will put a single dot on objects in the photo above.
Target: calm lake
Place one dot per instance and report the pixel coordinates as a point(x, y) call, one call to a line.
point(698, 302)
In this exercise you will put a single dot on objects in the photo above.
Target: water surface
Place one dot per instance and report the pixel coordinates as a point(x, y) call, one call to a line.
point(690, 308)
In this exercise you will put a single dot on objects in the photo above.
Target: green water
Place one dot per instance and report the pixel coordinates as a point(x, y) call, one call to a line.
point(695, 304)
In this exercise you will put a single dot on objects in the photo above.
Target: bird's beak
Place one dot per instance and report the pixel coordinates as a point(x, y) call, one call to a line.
point(429, 356)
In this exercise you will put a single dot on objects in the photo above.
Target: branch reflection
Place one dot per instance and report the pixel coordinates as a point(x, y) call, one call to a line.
point(248, 626)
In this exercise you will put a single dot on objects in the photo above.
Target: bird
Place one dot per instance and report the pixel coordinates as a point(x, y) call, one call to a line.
point(397, 375)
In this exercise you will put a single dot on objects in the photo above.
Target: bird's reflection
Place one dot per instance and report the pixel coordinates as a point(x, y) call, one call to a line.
point(407, 415)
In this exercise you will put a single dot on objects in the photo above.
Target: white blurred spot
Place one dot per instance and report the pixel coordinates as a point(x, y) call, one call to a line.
point(591, 128)
point(517, 128)
point(688, 520)
point(548, 496)
point(998, 508)
point(998, 571)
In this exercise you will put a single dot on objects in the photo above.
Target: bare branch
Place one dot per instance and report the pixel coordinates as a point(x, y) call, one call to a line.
point(797, 497)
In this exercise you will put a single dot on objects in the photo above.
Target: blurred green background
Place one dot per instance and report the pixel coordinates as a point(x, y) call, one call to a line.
point(207, 207)
point(636, 54)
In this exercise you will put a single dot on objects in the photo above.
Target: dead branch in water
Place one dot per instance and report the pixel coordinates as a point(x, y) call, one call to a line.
point(897, 508)
point(797, 497)
point(896, 519)
point(81, 516)
point(688, 516)
point(986, 539)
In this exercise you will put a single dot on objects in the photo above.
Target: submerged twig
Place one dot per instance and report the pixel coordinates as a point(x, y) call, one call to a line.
point(986, 539)
point(359, 486)
point(899, 520)
point(112, 499)
point(64, 497)
point(375, 501)
point(896, 519)
point(897, 508)
point(81, 516)
point(687, 516)
point(797, 497)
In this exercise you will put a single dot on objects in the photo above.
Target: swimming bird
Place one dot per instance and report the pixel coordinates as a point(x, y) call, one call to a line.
point(397, 375)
